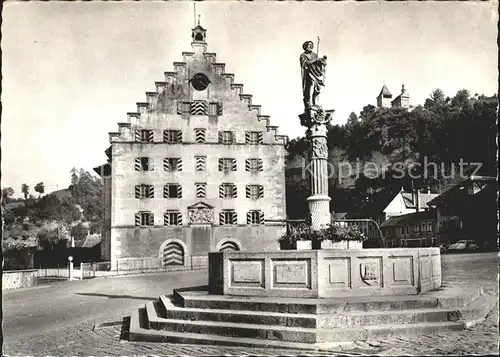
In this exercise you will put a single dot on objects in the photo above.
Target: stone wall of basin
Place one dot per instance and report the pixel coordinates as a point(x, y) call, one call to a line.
point(325, 273)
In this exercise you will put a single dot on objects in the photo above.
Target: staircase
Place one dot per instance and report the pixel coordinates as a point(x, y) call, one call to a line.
point(193, 316)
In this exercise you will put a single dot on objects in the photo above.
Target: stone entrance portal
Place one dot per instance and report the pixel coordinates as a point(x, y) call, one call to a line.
point(173, 254)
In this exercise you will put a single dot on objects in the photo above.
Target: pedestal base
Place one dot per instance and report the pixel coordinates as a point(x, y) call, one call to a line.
point(319, 207)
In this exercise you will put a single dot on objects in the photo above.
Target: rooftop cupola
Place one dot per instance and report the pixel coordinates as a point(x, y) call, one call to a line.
point(198, 36)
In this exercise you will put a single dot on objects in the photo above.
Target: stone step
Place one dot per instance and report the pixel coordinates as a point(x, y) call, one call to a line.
point(167, 309)
point(291, 334)
point(203, 300)
point(138, 331)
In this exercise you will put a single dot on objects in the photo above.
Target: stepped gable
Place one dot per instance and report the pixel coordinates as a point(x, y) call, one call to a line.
point(176, 88)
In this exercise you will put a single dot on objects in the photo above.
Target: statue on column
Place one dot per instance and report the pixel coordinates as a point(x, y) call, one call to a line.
point(313, 75)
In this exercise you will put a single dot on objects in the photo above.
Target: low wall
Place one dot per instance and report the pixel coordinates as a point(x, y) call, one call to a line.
point(15, 279)
point(325, 273)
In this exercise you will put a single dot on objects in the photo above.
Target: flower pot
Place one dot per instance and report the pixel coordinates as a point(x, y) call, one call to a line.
point(298, 245)
point(344, 244)
point(303, 245)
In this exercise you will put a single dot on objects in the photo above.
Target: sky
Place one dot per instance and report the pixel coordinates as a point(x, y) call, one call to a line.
point(72, 70)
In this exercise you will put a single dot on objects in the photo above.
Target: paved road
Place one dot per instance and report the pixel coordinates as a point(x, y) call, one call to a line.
point(48, 307)
point(81, 306)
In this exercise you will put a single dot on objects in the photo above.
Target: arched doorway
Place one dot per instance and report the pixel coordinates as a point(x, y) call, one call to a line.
point(173, 254)
point(228, 245)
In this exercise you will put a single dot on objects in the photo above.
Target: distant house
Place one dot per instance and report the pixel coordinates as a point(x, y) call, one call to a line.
point(386, 204)
point(467, 209)
point(411, 230)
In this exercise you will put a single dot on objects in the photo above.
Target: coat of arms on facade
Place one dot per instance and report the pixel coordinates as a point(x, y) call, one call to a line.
point(369, 274)
point(201, 213)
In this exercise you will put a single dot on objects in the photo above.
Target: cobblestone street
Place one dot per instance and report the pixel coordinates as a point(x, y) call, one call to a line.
point(108, 335)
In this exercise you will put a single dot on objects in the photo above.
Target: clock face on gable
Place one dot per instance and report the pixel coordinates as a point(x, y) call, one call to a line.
point(200, 81)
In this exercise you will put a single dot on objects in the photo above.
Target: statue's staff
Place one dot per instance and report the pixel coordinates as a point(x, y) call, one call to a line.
point(317, 48)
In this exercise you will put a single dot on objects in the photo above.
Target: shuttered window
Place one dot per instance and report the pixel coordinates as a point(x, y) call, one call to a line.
point(200, 162)
point(228, 217)
point(201, 190)
point(227, 164)
point(172, 164)
point(144, 218)
point(253, 137)
point(199, 135)
point(172, 136)
point(228, 190)
point(143, 164)
point(255, 217)
point(144, 191)
point(254, 165)
point(172, 218)
point(227, 137)
point(254, 191)
point(172, 190)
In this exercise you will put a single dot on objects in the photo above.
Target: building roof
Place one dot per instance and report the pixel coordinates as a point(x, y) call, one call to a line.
point(410, 218)
point(385, 91)
point(424, 199)
point(453, 190)
point(380, 201)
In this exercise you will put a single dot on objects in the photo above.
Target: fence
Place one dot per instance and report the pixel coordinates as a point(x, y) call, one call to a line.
point(127, 266)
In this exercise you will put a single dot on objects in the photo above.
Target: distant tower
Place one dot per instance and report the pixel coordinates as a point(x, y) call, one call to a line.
point(402, 100)
point(384, 98)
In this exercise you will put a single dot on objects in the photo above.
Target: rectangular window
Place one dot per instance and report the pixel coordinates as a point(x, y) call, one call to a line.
point(172, 164)
point(143, 164)
point(227, 164)
point(172, 136)
point(429, 226)
point(183, 108)
point(228, 190)
point(201, 190)
point(226, 137)
point(199, 135)
point(254, 165)
point(401, 230)
point(228, 217)
point(144, 135)
point(144, 218)
point(255, 217)
point(172, 190)
point(253, 137)
point(172, 218)
point(254, 191)
point(200, 163)
point(214, 108)
point(144, 191)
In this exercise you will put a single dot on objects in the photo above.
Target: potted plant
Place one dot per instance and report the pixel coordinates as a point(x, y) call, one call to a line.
point(339, 236)
point(300, 238)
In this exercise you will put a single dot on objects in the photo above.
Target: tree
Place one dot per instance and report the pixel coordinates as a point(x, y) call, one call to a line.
point(25, 189)
point(40, 188)
point(52, 235)
point(7, 193)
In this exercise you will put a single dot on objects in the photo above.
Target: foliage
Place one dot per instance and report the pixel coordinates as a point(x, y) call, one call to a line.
point(40, 188)
point(332, 232)
point(7, 193)
point(25, 189)
point(53, 234)
point(340, 232)
point(437, 132)
point(301, 232)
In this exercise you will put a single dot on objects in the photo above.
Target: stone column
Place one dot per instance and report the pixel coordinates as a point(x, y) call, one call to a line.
point(319, 202)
